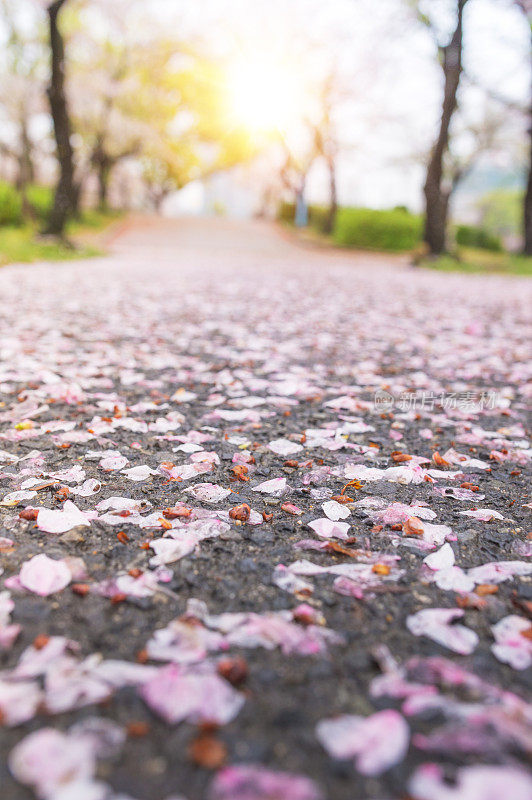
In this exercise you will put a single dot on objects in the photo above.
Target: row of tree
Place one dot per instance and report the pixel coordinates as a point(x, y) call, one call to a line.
point(447, 164)
point(162, 104)
point(154, 101)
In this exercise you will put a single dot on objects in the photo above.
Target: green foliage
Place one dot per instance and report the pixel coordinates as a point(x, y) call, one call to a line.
point(317, 215)
point(23, 244)
point(394, 230)
point(10, 205)
point(474, 236)
point(286, 212)
point(484, 262)
point(93, 219)
point(501, 212)
point(41, 199)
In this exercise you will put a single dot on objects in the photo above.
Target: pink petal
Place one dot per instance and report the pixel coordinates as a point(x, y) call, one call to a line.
point(44, 576)
point(440, 559)
point(499, 571)
point(284, 447)
point(376, 742)
point(209, 492)
point(169, 550)
point(61, 521)
point(329, 529)
point(276, 487)
point(48, 759)
point(196, 696)
point(482, 514)
point(140, 473)
point(19, 701)
point(113, 462)
point(511, 647)
point(251, 782)
point(334, 510)
point(472, 783)
point(435, 623)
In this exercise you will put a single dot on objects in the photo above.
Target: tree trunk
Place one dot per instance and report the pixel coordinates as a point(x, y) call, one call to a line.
point(158, 198)
point(103, 186)
point(436, 199)
point(65, 200)
point(527, 207)
point(301, 213)
point(333, 199)
point(26, 170)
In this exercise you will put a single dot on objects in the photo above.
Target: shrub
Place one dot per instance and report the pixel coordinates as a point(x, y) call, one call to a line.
point(393, 230)
point(41, 199)
point(473, 236)
point(318, 217)
point(501, 212)
point(10, 205)
point(286, 212)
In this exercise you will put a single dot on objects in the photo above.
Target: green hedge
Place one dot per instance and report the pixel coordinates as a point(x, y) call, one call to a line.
point(393, 230)
point(41, 199)
point(317, 215)
point(286, 212)
point(10, 205)
point(473, 236)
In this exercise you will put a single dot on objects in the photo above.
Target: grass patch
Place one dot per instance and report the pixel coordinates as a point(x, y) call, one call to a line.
point(22, 244)
point(474, 260)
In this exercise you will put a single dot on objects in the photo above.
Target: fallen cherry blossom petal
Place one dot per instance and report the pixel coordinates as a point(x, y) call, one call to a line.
point(435, 623)
point(139, 473)
point(284, 447)
point(169, 550)
point(482, 514)
point(329, 529)
point(208, 492)
point(512, 646)
point(376, 742)
point(176, 695)
point(61, 521)
point(14, 498)
point(42, 575)
point(478, 782)
point(335, 511)
point(276, 487)
point(499, 571)
point(440, 559)
point(49, 759)
point(251, 782)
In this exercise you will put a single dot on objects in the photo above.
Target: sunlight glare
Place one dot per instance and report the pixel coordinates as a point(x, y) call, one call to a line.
point(265, 97)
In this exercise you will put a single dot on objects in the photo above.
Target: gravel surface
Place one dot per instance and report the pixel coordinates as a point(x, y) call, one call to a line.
point(223, 354)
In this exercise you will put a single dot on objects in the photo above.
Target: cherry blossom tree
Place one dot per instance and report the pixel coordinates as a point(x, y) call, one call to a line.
point(437, 193)
point(66, 193)
point(526, 8)
point(21, 95)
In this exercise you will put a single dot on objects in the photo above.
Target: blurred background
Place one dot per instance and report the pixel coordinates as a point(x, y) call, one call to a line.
point(371, 123)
